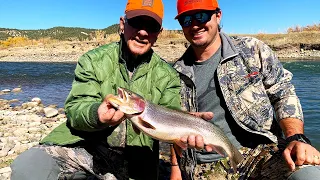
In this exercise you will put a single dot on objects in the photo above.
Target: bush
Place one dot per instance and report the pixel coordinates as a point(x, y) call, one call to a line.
point(16, 41)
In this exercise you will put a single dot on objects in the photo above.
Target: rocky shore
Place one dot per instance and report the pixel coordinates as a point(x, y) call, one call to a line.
point(22, 127)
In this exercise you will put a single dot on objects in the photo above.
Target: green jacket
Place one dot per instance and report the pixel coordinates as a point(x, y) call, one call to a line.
point(100, 72)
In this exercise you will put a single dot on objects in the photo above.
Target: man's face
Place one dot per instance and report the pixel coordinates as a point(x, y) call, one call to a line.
point(200, 27)
point(140, 33)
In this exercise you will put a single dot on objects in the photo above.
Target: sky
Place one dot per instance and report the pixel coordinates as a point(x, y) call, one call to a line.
point(238, 16)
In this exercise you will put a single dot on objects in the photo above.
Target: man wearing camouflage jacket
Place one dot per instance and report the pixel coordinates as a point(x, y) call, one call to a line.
point(243, 83)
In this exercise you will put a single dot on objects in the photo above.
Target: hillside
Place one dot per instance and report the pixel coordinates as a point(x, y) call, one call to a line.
point(59, 33)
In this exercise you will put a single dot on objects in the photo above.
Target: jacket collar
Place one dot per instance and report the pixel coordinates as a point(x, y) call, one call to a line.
point(184, 64)
point(228, 48)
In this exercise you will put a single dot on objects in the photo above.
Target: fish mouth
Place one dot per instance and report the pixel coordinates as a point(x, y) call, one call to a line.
point(122, 95)
point(128, 102)
point(126, 94)
point(115, 101)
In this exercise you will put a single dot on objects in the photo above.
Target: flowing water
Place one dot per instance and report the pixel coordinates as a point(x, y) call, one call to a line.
point(52, 82)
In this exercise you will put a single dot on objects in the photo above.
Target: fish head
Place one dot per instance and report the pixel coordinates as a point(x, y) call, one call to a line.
point(127, 101)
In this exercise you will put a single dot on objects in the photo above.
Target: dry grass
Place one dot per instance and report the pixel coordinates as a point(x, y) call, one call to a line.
point(24, 41)
point(308, 28)
point(294, 36)
point(165, 34)
point(98, 35)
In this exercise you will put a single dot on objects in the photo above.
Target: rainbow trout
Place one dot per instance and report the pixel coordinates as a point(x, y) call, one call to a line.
point(169, 125)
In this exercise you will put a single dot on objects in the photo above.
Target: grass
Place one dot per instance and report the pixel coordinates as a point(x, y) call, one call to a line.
point(305, 37)
point(6, 163)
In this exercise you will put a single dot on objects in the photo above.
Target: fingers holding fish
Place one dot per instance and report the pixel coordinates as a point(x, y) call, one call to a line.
point(204, 115)
point(208, 148)
point(108, 114)
point(183, 143)
point(194, 141)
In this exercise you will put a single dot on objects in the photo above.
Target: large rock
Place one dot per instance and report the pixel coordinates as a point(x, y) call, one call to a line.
point(15, 90)
point(50, 112)
point(6, 91)
point(36, 99)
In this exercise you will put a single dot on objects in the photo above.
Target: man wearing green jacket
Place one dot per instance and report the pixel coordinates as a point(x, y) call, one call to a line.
point(97, 142)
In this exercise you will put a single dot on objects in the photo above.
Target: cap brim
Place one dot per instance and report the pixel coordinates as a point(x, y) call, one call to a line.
point(142, 12)
point(204, 8)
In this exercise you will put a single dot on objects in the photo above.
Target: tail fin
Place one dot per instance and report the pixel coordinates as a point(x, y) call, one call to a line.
point(236, 158)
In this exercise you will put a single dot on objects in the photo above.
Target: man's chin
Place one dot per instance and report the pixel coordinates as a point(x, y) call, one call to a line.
point(198, 44)
point(139, 50)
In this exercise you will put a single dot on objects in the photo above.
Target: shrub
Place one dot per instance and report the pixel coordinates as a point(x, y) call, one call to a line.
point(16, 41)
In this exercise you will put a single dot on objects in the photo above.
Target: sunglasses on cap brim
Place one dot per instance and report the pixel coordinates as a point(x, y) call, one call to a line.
point(140, 23)
point(201, 17)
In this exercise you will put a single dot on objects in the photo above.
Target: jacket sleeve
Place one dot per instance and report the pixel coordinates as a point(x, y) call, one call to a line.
point(277, 81)
point(170, 96)
point(84, 98)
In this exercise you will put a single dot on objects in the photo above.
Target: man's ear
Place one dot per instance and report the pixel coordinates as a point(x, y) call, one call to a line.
point(219, 16)
point(121, 25)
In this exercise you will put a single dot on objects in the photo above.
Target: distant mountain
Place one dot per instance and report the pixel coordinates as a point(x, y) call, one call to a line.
point(60, 33)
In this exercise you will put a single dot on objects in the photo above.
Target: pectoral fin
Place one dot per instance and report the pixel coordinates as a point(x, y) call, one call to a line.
point(136, 130)
point(146, 124)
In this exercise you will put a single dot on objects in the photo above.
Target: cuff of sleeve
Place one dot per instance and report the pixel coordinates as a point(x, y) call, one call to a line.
point(94, 118)
point(289, 108)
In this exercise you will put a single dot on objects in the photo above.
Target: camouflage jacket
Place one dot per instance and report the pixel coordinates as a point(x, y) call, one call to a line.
point(256, 88)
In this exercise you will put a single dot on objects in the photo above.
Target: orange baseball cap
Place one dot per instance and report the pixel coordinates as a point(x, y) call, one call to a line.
point(189, 5)
point(152, 8)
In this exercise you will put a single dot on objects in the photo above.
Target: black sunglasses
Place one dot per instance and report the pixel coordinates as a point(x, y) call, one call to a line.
point(201, 17)
point(140, 23)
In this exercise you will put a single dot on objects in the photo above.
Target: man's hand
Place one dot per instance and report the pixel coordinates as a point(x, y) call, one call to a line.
point(297, 153)
point(303, 153)
point(192, 141)
point(108, 114)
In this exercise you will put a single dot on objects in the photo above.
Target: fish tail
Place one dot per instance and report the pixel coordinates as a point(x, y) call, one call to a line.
point(236, 158)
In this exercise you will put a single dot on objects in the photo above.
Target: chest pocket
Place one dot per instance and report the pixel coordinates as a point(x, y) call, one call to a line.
point(252, 94)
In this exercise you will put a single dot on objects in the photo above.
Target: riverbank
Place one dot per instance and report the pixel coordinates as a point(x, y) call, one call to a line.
point(169, 49)
point(23, 126)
